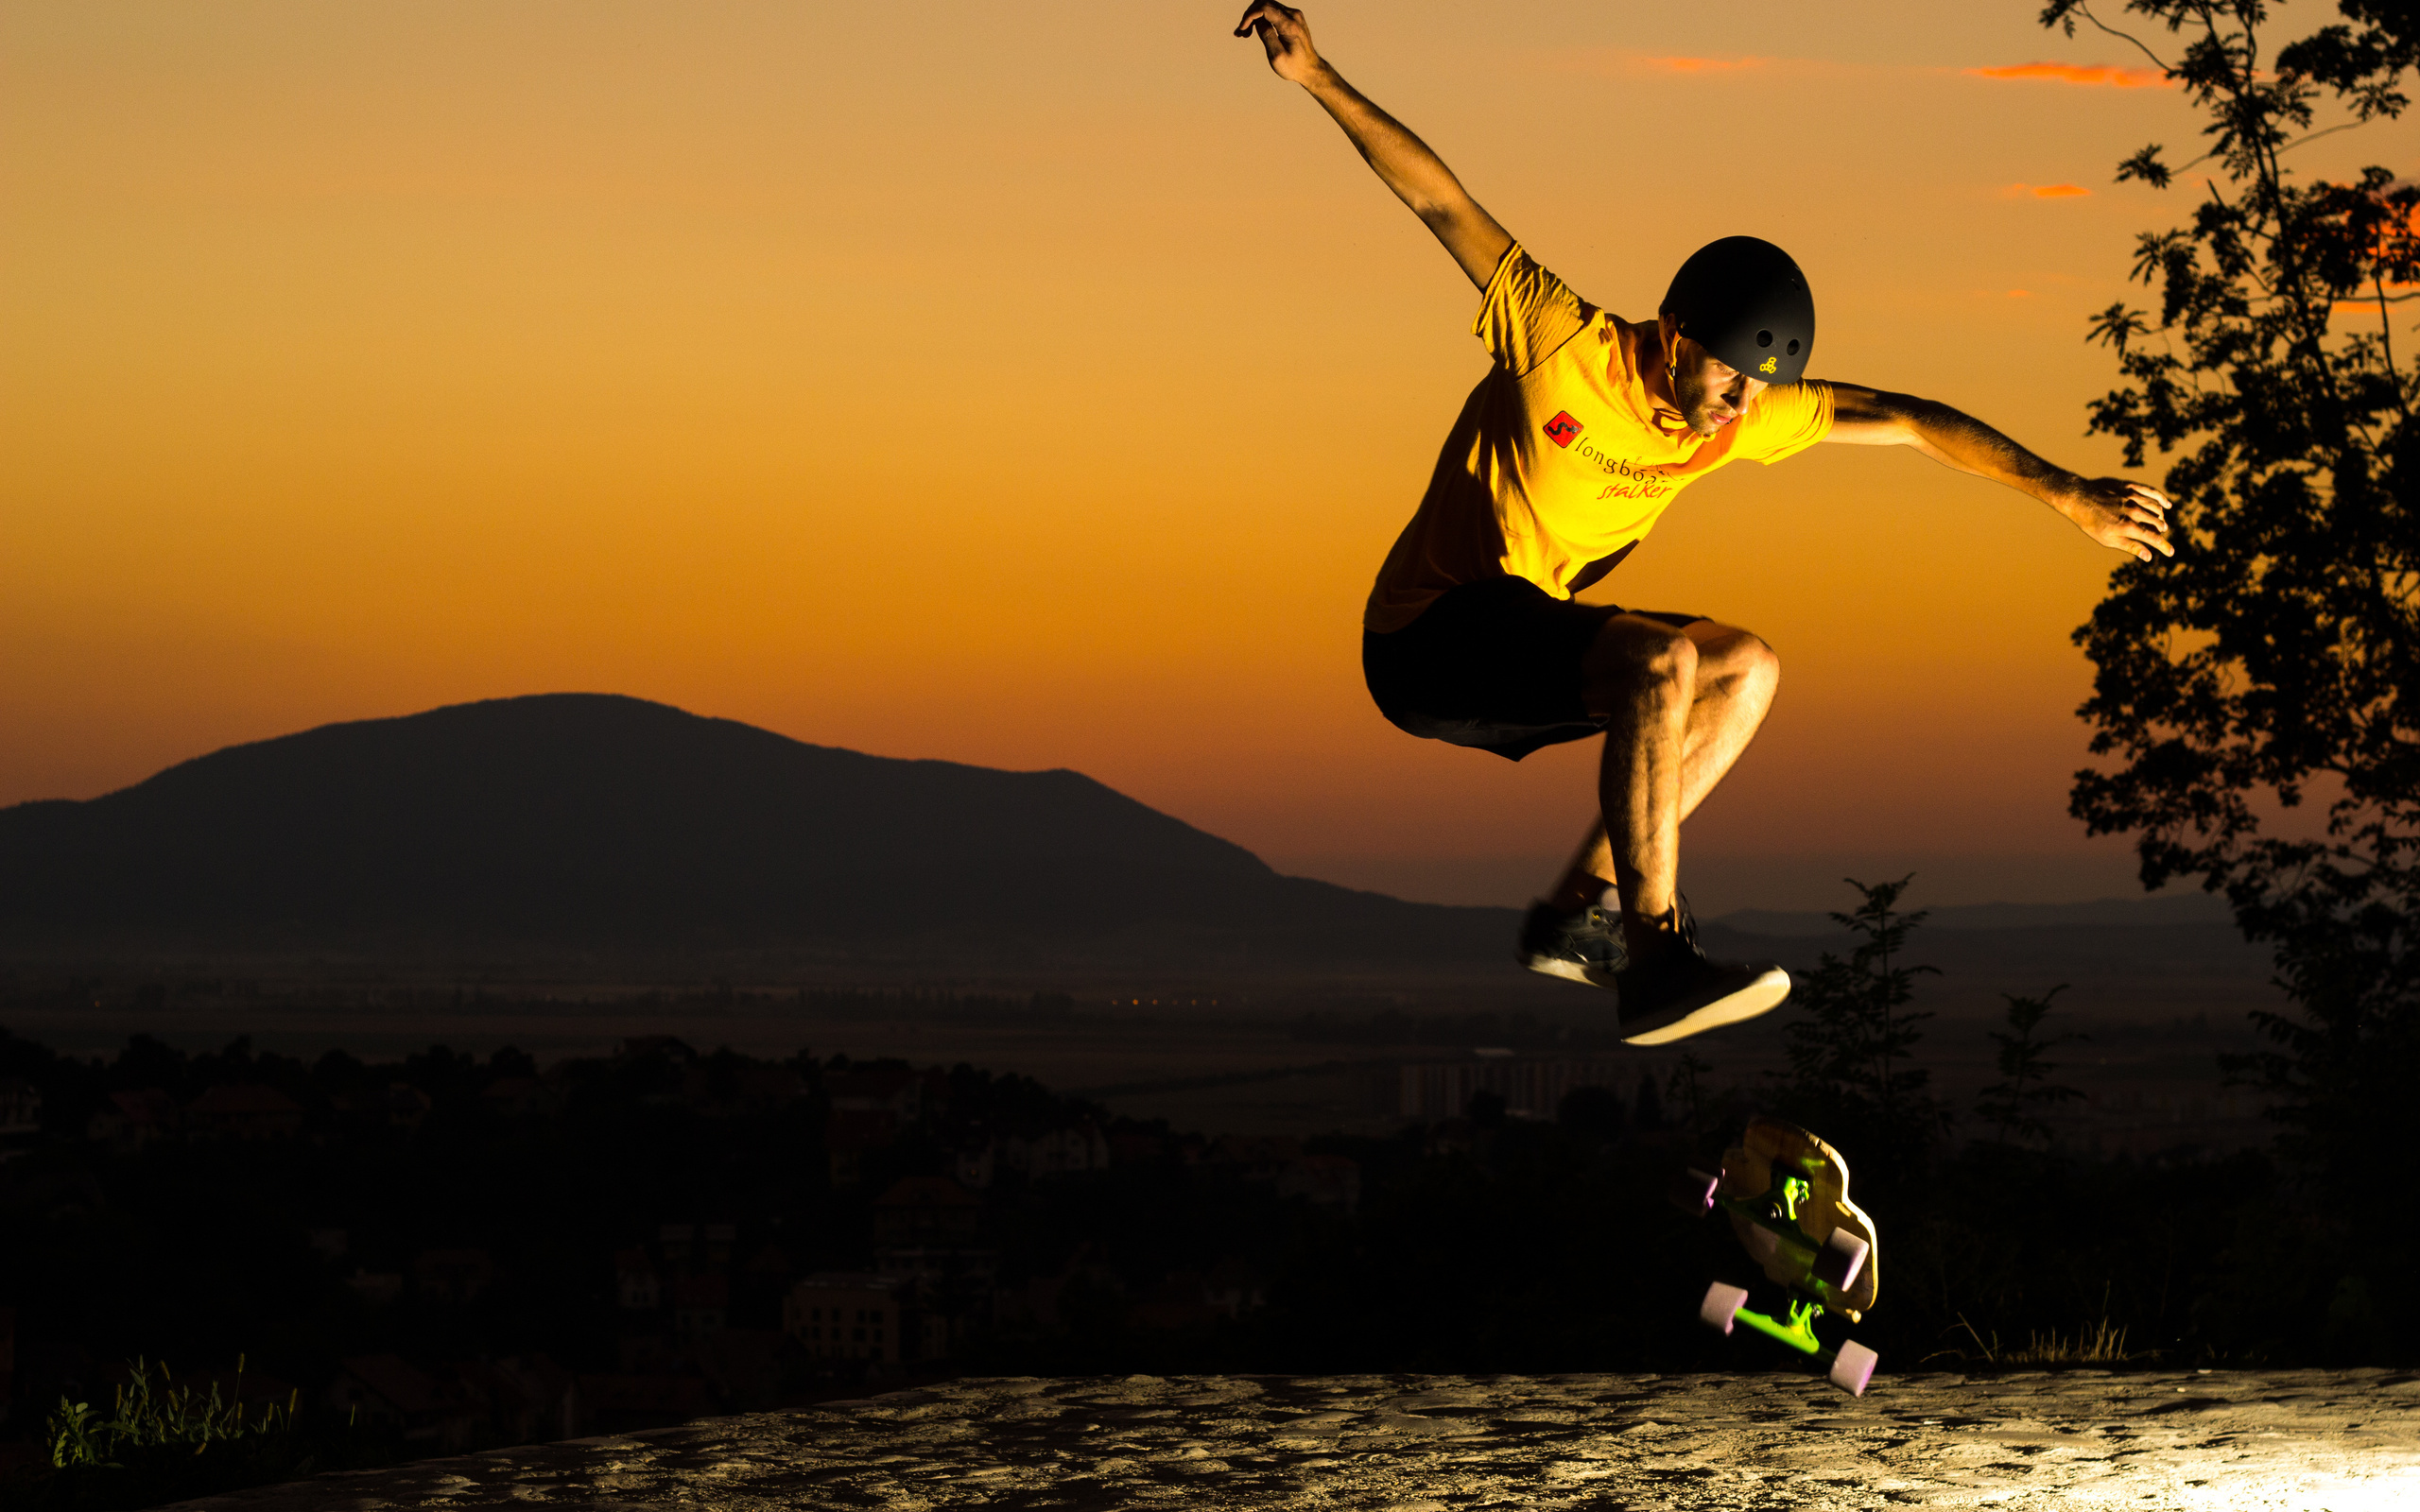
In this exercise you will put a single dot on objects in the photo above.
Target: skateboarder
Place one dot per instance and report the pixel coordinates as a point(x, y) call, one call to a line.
point(1562, 461)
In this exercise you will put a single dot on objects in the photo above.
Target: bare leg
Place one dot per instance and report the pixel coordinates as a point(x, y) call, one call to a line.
point(1683, 705)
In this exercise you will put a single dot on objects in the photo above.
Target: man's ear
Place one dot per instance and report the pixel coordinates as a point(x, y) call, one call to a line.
point(1669, 327)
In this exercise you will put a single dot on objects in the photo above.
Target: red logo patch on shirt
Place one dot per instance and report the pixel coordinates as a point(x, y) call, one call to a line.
point(1560, 429)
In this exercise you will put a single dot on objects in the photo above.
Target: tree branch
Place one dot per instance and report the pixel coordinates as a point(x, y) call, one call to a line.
point(2085, 11)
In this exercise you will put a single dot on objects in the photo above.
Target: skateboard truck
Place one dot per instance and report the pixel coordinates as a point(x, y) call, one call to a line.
point(1828, 1270)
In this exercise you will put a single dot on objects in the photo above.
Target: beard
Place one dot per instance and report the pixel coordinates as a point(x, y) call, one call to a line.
point(1697, 403)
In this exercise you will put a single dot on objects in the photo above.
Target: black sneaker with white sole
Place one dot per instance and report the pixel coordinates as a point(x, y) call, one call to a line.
point(1584, 946)
point(1676, 991)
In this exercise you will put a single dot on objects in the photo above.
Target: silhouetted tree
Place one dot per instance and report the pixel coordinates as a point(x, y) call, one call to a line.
point(2015, 1105)
point(1690, 1097)
point(2277, 656)
point(1852, 1071)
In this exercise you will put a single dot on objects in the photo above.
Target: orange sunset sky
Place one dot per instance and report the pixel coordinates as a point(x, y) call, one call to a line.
point(1032, 385)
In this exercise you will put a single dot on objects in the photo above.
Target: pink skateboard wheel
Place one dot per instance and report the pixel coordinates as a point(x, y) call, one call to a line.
point(1840, 1260)
point(1853, 1368)
point(1693, 1193)
point(1723, 1303)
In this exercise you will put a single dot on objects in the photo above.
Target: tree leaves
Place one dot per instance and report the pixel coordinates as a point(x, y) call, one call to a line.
point(2276, 659)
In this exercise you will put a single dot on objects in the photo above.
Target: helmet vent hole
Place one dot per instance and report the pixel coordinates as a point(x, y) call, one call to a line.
point(1792, 348)
point(1764, 338)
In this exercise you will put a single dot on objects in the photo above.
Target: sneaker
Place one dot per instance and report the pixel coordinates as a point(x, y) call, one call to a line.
point(1677, 992)
point(1584, 947)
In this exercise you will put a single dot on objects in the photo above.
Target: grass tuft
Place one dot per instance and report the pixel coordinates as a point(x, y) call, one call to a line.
point(2094, 1344)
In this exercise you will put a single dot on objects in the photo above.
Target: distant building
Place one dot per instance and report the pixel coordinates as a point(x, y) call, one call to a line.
point(453, 1275)
point(933, 1270)
point(742, 1365)
point(926, 1209)
point(1254, 1154)
point(851, 1134)
point(1532, 1086)
point(640, 1047)
point(20, 1116)
point(1196, 1299)
point(636, 1287)
point(1234, 1288)
point(128, 1120)
point(400, 1105)
point(1450, 1136)
point(895, 1091)
point(1137, 1147)
point(244, 1111)
point(379, 1288)
point(1327, 1180)
point(518, 1097)
point(1061, 1151)
point(386, 1390)
point(726, 1091)
point(527, 1399)
point(700, 1306)
point(976, 1161)
point(839, 1316)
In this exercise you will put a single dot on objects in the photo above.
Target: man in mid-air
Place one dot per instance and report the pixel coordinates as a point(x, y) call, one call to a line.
point(1563, 460)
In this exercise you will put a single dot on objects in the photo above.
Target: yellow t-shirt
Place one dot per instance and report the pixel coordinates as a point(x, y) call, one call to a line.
point(1560, 459)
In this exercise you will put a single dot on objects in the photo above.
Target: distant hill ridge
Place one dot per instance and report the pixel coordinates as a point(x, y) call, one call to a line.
point(2189, 908)
point(596, 823)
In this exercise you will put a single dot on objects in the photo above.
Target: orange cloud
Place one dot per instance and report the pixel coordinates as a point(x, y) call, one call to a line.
point(2104, 74)
point(1703, 65)
point(2045, 191)
point(2396, 293)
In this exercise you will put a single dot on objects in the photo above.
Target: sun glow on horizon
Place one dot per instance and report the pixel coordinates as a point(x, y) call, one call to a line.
point(1041, 405)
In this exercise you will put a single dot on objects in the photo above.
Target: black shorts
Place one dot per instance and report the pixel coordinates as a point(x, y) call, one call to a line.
point(1492, 665)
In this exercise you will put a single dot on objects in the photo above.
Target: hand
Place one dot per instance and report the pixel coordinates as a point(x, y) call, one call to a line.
point(1287, 36)
point(2120, 514)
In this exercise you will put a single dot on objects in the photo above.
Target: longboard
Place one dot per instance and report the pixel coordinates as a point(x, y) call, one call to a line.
point(1786, 1194)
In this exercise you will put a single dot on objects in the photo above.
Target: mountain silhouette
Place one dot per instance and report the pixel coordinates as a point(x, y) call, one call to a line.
point(599, 824)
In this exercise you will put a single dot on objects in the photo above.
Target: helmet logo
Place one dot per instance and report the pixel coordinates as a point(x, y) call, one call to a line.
point(1770, 365)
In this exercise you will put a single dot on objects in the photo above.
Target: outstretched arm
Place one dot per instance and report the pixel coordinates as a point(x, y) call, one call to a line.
point(1419, 178)
point(2118, 512)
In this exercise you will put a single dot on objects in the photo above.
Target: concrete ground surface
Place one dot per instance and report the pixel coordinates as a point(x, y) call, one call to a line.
point(2342, 1441)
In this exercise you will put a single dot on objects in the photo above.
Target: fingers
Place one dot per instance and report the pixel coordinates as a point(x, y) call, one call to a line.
point(2142, 541)
point(1264, 17)
point(2142, 518)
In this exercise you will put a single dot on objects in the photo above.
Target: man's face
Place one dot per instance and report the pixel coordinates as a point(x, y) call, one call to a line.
point(1709, 392)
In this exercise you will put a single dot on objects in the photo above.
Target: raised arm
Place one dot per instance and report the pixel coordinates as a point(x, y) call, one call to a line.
point(2119, 513)
point(1419, 178)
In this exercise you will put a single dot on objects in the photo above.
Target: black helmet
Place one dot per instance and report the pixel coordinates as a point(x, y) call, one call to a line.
point(1743, 300)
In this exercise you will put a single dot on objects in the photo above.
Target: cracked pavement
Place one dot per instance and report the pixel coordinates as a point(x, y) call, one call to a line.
point(2338, 1440)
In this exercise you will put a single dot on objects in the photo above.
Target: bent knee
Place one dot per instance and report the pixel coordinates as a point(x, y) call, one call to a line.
point(1740, 656)
point(1633, 656)
point(1759, 663)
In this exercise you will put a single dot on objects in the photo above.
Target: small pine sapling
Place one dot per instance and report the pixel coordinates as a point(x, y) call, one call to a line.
point(1852, 1055)
point(2015, 1104)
